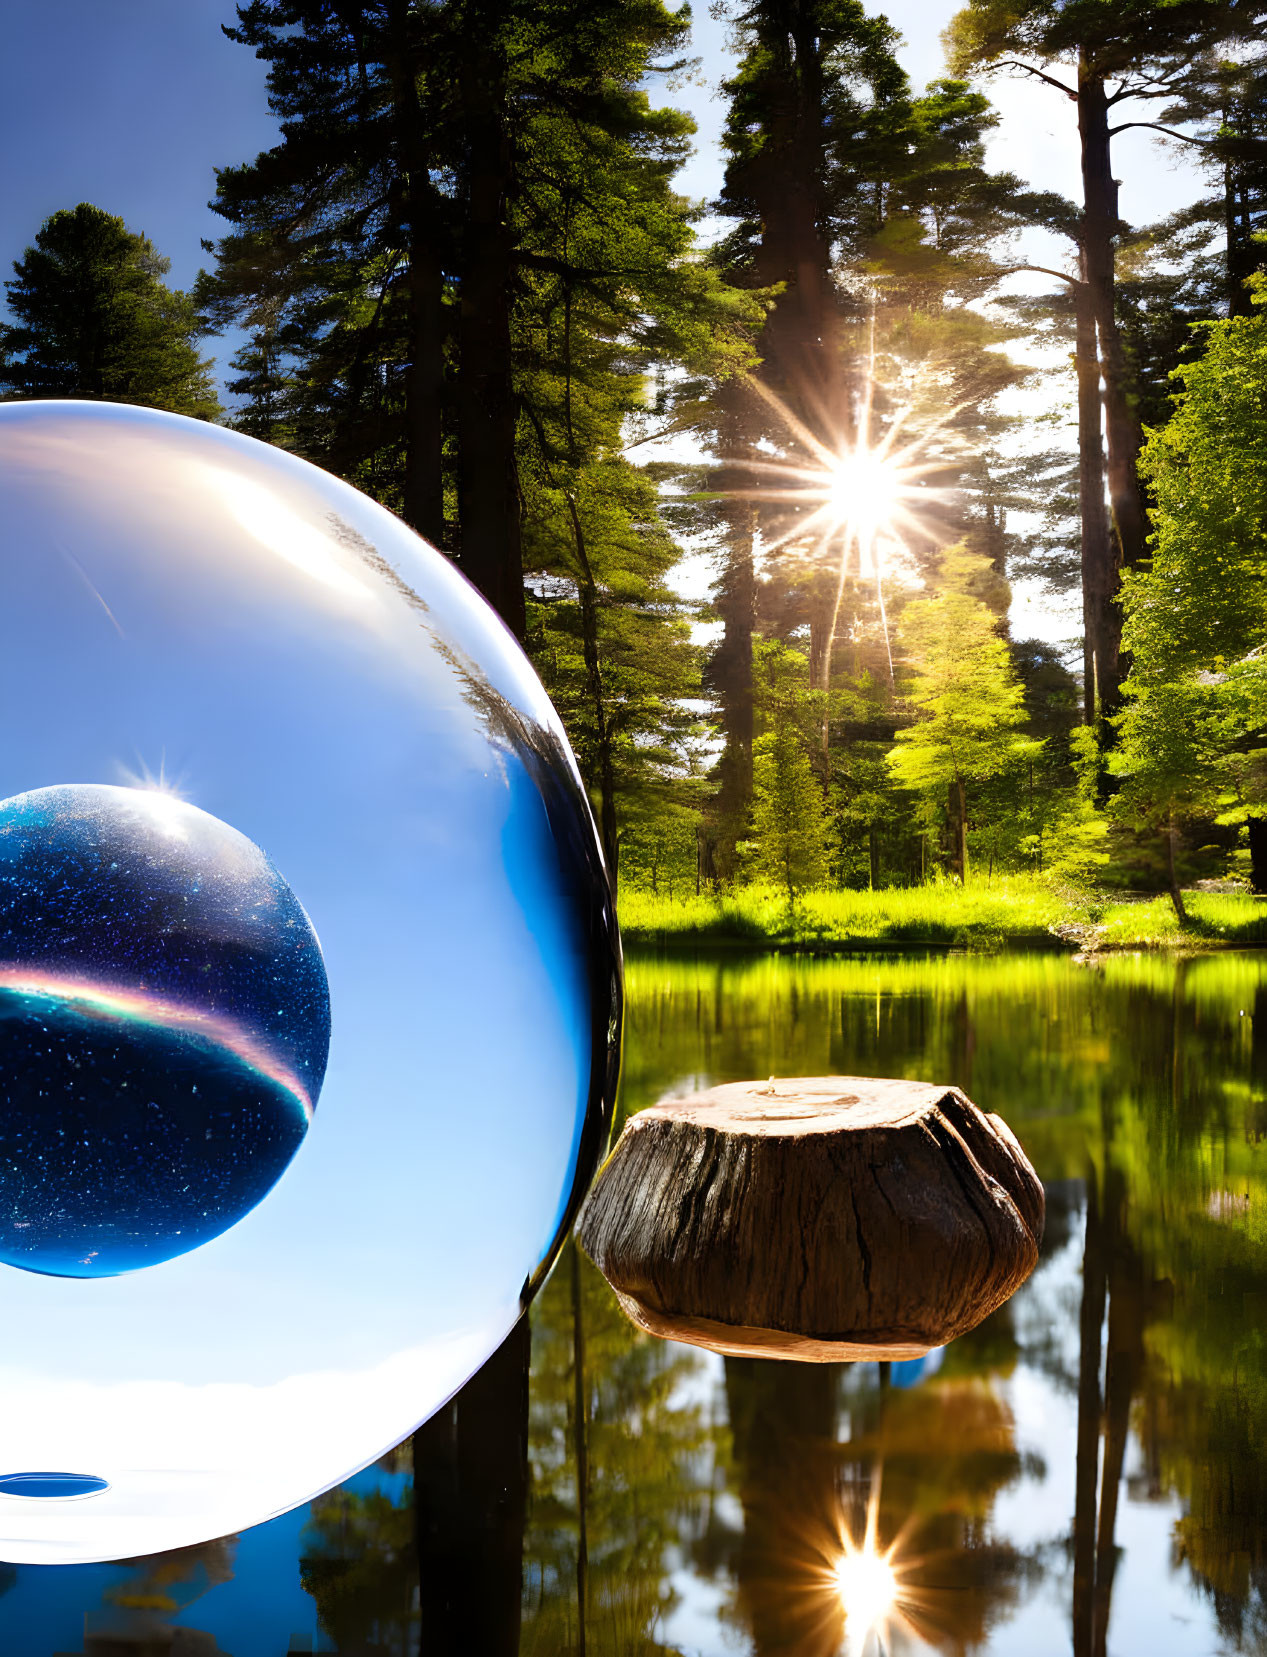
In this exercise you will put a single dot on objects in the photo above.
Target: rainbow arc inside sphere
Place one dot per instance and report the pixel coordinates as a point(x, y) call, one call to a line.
point(164, 1028)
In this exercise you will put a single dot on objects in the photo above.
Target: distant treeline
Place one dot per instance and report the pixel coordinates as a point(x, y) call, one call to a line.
point(467, 284)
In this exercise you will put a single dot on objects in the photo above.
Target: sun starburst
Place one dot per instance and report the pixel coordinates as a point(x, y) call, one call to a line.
point(850, 501)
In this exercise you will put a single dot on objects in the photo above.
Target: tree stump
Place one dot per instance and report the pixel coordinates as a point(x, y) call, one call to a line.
point(820, 1218)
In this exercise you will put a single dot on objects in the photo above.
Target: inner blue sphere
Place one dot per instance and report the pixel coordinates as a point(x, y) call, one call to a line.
point(164, 1028)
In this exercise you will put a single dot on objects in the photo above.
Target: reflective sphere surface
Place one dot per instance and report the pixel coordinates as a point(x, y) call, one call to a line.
point(164, 1026)
point(249, 709)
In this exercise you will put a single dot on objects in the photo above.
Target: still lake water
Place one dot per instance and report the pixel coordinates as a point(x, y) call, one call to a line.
point(1085, 1472)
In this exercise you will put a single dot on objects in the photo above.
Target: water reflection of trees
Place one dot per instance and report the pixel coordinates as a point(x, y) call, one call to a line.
point(136, 1616)
point(1173, 1263)
point(432, 1568)
point(360, 1567)
point(605, 1534)
point(1141, 1085)
point(1140, 1090)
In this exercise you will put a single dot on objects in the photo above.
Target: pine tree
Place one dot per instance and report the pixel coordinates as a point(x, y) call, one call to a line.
point(340, 241)
point(789, 819)
point(967, 700)
point(450, 179)
point(96, 320)
point(514, 152)
point(1098, 58)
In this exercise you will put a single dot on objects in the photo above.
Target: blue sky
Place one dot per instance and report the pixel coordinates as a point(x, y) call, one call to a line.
point(130, 105)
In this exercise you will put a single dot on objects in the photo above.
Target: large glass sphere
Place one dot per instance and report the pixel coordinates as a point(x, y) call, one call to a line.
point(309, 982)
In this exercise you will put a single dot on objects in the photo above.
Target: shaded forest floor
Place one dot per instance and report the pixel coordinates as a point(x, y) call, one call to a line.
point(1012, 912)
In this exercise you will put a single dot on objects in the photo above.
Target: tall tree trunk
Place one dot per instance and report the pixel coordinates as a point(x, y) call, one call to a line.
point(1176, 896)
point(1256, 829)
point(799, 336)
point(587, 593)
point(1122, 428)
point(423, 502)
point(963, 831)
point(1243, 254)
point(470, 1503)
point(729, 675)
point(1099, 578)
point(821, 640)
point(490, 543)
point(423, 493)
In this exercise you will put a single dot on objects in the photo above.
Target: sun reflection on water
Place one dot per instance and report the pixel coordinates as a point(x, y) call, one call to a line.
point(868, 1589)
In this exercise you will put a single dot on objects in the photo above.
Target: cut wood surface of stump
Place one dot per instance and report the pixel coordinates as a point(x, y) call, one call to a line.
point(821, 1218)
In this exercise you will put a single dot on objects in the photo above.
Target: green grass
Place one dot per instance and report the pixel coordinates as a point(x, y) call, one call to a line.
point(978, 916)
point(1213, 917)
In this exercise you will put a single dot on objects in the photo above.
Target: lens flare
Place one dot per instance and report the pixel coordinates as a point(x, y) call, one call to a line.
point(866, 489)
point(868, 1589)
point(850, 500)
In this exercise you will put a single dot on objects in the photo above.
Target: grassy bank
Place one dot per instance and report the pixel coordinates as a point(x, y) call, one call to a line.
point(979, 916)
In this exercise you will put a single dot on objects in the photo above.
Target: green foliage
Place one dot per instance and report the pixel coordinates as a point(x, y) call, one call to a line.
point(811, 117)
point(95, 319)
point(968, 703)
point(1123, 38)
point(646, 1488)
point(1194, 728)
point(470, 286)
point(789, 818)
point(360, 1567)
point(468, 278)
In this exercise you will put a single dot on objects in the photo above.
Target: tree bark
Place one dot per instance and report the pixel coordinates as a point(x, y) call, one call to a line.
point(728, 675)
point(1176, 896)
point(587, 593)
point(799, 336)
point(821, 640)
point(423, 499)
point(1122, 427)
point(1243, 254)
point(491, 552)
point(1099, 576)
point(423, 489)
point(1256, 829)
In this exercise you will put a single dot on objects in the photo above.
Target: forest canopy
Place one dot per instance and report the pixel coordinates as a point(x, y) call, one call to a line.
point(466, 279)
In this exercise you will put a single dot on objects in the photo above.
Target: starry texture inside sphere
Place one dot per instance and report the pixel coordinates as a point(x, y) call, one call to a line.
point(164, 1028)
